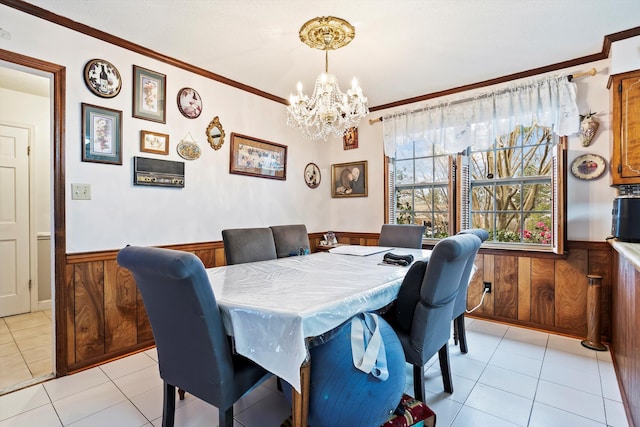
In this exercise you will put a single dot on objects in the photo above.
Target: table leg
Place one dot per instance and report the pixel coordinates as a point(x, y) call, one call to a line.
point(300, 401)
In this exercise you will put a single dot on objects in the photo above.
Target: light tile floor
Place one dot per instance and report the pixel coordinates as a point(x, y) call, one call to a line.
point(25, 348)
point(510, 377)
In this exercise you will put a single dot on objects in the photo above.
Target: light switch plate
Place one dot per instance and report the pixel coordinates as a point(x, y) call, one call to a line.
point(80, 192)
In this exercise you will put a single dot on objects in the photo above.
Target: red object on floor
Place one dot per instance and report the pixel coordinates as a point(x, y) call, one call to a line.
point(415, 413)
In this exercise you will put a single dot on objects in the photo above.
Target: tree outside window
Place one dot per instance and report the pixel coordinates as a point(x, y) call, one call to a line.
point(508, 189)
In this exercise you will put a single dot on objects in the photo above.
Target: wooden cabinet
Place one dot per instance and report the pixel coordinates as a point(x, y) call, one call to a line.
point(625, 106)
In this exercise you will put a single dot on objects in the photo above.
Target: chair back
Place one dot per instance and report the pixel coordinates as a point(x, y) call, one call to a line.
point(248, 245)
point(461, 300)
point(193, 349)
point(401, 236)
point(290, 239)
point(431, 326)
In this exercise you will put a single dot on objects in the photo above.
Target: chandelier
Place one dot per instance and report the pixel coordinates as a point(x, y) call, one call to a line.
point(328, 110)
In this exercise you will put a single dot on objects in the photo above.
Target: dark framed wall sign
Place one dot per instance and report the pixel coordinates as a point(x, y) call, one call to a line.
point(101, 135)
point(257, 157)
point(149, 95)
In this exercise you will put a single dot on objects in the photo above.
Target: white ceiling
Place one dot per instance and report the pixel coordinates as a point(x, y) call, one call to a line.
point(402, 49)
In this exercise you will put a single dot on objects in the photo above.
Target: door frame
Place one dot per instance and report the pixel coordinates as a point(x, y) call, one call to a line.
point(59, 297)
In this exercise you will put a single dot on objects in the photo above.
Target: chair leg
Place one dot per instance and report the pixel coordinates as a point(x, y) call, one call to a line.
point(168, 405)
point(225, 418)
point(418, 382)
point(443, 356)
point(462, 333)
point(455, 331)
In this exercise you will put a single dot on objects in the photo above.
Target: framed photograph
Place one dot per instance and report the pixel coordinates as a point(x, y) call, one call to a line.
point(153, 142)
point(588, 166)
point(189, 103)
point(350, 139)
point(149, 95)
point(102, 78)
point(101, 135)
point(256, 157)
point(349, 179)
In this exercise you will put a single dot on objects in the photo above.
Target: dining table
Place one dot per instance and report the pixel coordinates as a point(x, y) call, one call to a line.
point(275, 309)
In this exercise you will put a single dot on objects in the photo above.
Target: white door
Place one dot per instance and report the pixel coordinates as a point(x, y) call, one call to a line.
point(14, 220)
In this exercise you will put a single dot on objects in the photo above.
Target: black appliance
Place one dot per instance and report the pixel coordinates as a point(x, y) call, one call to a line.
point(626, 219)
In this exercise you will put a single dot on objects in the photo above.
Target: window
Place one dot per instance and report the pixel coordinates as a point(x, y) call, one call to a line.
point(422, 193)
point(511, 189)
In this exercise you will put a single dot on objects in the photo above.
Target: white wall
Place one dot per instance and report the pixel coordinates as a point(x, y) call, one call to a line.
point(588, 202)
point(625, 55)
point(212, 199)
point(121, 213)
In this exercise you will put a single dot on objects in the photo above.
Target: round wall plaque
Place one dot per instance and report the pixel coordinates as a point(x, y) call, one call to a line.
point(588, 166)
point(189, 103)
point(312, 175)
point(102, 78)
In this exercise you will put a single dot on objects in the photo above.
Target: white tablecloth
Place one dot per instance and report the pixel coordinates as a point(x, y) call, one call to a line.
point(271, 307)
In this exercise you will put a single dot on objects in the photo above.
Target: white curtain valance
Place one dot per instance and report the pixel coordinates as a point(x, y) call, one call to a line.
point(477, 121)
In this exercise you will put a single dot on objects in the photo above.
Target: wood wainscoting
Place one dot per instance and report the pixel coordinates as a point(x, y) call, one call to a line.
point(542, 291)
point(104, 317)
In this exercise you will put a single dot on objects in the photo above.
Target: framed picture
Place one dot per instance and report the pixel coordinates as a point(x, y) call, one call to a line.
point(149, 95)
point(189, 103)
point(588, 166)
point(152, 142)
point(101, 135)
point(102, 78)
point(256, 157)
point(350, 139)
point(349, 179)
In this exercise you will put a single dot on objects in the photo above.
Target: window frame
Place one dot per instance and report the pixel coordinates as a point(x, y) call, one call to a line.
point(458, 188)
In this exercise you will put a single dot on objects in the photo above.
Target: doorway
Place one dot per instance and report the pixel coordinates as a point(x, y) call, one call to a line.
point(31, 219)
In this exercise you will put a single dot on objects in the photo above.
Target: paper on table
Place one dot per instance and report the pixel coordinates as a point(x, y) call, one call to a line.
point(359, 250)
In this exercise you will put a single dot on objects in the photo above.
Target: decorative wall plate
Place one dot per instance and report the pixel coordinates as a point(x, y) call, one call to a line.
point(102, 78)
point(312, 175)
point(189, 103)
point(189, 149)
point(588, 166)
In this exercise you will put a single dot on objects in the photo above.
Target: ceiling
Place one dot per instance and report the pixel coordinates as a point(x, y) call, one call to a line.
point(402, 49)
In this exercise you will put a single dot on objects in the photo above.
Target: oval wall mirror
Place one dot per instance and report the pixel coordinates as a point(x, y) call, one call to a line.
point(215, 133)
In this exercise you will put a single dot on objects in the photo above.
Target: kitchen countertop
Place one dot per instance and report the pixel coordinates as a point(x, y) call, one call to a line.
point(631, 251)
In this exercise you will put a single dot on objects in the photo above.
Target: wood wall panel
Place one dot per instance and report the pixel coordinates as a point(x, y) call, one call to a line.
point(145, 334)
point(524, 289)
point(207, 256)
point(542, 292)
point(70, 319)
point(475, 289)
point(89, 310)
point(488, 275)
point(220, 259)
point(625, 337)
point(120, 308)
point(505, 287)
point(571, 291)
point(98, 307)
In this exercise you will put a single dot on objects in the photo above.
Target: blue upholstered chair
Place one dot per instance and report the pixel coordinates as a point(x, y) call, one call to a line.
point(401, 236)
point(290, 239)
point(424, 307)
point(193, 350)
point(459, 330)
point(248, 245)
